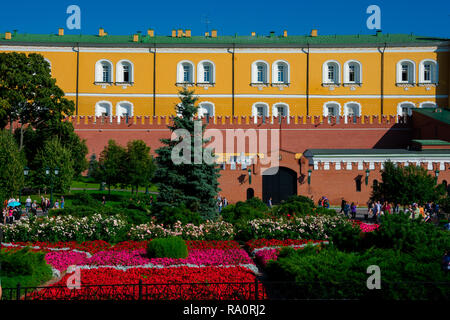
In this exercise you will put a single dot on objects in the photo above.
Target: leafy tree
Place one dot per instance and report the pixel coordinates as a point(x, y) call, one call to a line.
point(12, 162)
point(193, 184)
point(111, 164)
point(28, 92)
point(53, 155)
point(405, 185)
point(139, 164)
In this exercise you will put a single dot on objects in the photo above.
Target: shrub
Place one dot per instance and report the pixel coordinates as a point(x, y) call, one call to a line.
point(326, 273)
point(24, 267)
point(84, 199)
point(170, 215)
point(172, 247)
point(241, 212)
point(76, 211)
point(294, 206)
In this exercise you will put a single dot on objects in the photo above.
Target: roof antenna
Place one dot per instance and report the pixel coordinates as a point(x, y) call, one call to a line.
point(206, 21)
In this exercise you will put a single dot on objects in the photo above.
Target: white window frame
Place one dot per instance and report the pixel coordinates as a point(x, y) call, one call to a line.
point(255, 110)
point(275, 110)
point(120, 71)
point(103, 102)
point(401, 105)
point(180, 73)
point(337, 73)
point(200, 73)
point(203, 106)
point(411, 72)
point(254, 72)
point(335, 104)
point(358, 72)
point(421, 105)
point(286, 72)
point(347, 107)
point(99, 72)
point(120, 105)
point(434, 72)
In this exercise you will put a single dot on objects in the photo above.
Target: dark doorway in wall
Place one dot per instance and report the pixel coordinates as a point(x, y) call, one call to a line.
point(250, 193)
point(279, 183)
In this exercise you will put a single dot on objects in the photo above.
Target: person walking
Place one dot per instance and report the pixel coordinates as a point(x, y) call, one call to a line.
point(346, 210)
point(62, 202)
point(27, 205)
point(353, 210)
point(378, 211)
point(342, 205)
point(269, 203)
point(220, 206)
point(34, 208)
point(369, 210)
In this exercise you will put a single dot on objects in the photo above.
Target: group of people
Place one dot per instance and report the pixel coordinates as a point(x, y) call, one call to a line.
point(11, 213)
point(324, 202)
point(221, 202)
point(429, 211)
point(348, 209)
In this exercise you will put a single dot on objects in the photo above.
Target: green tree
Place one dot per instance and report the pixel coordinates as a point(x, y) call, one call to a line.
point(28, 93)
point(93, 166)
point(193, 184)
point(53, 155)
point(405, 185)
point(12, 162)
point(111, 165)
point(139, 164)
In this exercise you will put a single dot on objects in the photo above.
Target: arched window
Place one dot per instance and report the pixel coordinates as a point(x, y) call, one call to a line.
point(260, 70)
point(103, 71)
point(405, 108)
point(428, 72)
point(351, 111)
point(103, 109)
point(260, 109)
point(281, 110)
point(352, 72)
point(331, 109)
point(428, 105)
point(124, 109)
point(125, 72)
point(280, 72)
point(331, 73)
point(406, 72)
point(206, 72)
point(205, 110)
point(185, 73)
point(49, 65)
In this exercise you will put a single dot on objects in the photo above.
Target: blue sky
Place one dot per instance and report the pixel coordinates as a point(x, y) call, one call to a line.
point(431, 18)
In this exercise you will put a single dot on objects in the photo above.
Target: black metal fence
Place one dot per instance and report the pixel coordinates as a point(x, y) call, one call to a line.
point(257, 290)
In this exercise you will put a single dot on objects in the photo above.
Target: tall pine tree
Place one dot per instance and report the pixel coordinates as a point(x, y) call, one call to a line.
point(193, 184)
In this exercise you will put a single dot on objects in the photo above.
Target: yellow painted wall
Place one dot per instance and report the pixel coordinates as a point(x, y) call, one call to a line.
point(141, 93)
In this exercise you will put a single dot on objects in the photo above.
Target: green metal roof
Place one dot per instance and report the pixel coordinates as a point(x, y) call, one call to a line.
point(443, 115)
point(432, 142)
point(259, 40)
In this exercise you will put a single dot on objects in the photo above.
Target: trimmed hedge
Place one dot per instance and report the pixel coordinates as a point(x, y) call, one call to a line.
point(172, 247)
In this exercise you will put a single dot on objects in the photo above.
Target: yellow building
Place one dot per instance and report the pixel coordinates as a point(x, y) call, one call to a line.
point(270, 75)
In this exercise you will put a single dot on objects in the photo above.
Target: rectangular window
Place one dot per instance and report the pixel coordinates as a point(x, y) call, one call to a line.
point(280, 73)
point(261, 75)
point(186, 74)
point(330, 111)
point(105, 74)
point(427, 73)
point(206, 74)
point(405, 73)
point(126, 74)
point(260, 111)
point(405, 111)
point(330, 73)
point(281, 111)
point(351, 73)
point(358, 185)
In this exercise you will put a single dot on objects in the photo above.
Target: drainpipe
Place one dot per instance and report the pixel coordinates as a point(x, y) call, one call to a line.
point(78, 76)
point(232, 79)
point(307, 82)
point(382, 80)
point(154, 78)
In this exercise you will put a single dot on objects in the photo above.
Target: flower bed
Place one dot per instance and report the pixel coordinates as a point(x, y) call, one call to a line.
point(211, 283)
point(268, 249)
point(108, 228)
point(365, 227)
